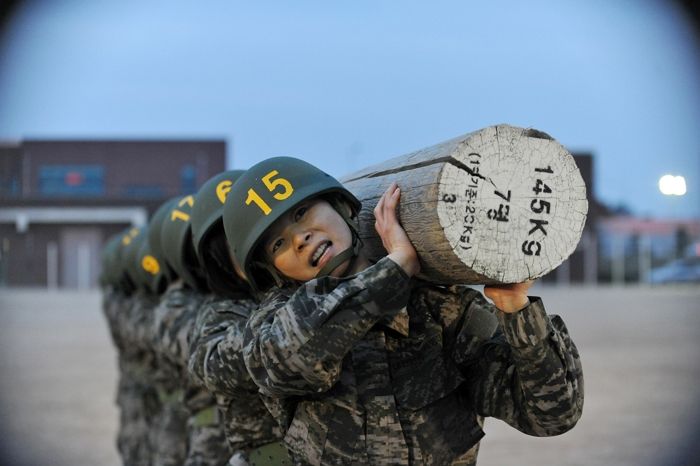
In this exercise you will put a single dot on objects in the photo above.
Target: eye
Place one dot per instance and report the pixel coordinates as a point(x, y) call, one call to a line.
point(299, 213)
point(276, 245)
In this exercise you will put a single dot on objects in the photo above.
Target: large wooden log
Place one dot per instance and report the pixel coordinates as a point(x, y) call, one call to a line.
point(499, 205)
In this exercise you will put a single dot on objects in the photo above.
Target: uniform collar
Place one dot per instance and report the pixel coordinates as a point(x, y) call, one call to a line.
point(399, 323)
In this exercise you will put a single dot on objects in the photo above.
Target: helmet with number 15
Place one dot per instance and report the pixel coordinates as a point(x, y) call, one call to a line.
point(262, 195)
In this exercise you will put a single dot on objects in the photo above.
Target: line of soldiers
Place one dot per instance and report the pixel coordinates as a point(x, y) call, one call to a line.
point(251, 329)
point(171, 299)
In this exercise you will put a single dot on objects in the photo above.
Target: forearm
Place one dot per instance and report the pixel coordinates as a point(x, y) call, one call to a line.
point(297, 346)
point(533, 378)
point(216, 357)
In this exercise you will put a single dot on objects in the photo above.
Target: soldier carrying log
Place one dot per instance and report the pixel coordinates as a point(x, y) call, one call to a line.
point(366, 346)
point(364, 363)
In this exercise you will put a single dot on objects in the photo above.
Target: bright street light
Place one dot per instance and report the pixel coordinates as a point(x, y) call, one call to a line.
point(672, 185)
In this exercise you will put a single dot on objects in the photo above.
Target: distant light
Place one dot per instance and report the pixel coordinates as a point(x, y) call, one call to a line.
point(672, 185)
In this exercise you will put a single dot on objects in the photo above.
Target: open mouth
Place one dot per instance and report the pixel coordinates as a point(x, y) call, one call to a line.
point(319, 252)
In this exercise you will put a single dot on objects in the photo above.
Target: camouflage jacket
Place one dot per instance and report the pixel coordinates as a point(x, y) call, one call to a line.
point(217, 360)
point(118, 308)
point(172, 324)
point(379, 369)
point(113, 304)
point(136, 349)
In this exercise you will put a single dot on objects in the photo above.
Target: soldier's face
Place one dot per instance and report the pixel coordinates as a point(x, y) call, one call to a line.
point(302, 241)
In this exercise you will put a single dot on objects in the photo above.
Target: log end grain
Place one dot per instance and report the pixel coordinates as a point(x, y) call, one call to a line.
point(512, 203)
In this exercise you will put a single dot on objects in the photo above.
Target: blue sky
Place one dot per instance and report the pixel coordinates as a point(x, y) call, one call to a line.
point(344, 85)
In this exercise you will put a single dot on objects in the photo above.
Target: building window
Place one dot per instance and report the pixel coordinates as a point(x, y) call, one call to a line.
point(188, 179)
point(9, 186)
point(71, 180)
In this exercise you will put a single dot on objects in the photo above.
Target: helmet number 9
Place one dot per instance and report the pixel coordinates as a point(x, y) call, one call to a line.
point(271, 184)
point(150, 264)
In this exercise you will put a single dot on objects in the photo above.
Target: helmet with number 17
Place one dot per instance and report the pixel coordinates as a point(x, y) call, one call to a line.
point(176, 241)
point(262, 195)
point(154, 239)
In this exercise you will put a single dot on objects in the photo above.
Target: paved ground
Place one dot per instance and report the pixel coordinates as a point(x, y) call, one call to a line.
point(639, 348)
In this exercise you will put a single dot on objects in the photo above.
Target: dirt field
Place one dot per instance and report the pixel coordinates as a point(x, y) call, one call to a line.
point(639, 348)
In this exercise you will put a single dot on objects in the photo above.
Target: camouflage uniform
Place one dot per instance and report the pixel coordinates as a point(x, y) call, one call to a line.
point(169, 432)
point(217, 360)
point(206, 442)
point(114, 305)
point(379, 369)
point(137, 396)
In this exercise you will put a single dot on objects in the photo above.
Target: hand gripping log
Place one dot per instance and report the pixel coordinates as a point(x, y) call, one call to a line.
point(499, 205)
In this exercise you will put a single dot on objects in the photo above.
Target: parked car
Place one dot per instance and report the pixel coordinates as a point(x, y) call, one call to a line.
point(684, 270)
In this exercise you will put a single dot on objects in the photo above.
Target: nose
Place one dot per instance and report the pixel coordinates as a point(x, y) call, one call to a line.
point(301, 238)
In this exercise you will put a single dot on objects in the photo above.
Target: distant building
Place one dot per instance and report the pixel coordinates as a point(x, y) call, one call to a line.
point(61, 200)
point(582, 265)
point(631, 247)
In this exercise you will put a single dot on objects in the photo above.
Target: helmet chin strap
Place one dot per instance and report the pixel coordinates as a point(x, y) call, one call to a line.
point(276, 276)
point(349, 254)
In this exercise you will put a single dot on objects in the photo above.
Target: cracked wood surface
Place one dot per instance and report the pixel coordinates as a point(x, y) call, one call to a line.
point(499, 205)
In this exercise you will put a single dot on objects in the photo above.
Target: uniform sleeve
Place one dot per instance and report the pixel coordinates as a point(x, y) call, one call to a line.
point(216, 351)
point(176, 309)
point(112, 305)
point(138, 325)
point(159, 332)
point(295, 343)
point(528, 373)
point(182, 331)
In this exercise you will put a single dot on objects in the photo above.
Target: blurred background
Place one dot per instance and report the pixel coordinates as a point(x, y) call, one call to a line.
point(109, 108)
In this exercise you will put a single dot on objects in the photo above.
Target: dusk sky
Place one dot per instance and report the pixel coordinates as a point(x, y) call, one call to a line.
point(346, 85)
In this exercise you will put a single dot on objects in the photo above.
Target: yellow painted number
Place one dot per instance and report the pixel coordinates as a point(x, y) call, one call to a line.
point(189, 200)
point(180, 215)
point(253, 197)
point(126, 239)
point(272, 184)
point(222, 190)
point(150, 264)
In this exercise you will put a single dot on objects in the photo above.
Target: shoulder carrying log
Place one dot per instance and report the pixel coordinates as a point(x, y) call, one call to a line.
point(499, 205)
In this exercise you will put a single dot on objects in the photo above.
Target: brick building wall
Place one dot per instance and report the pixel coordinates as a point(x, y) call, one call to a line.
point(61, 200)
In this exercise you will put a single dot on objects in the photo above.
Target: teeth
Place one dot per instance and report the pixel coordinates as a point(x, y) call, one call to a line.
point(319, 252)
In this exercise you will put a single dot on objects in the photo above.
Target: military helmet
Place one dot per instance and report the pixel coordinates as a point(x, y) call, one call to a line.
point(208, 233)
point(176, 241)
point(109, 275)
point(209, 205)
point(263, 194)
point(149, 267)
point(154, 236)
point(131, 242)
point(118, 272)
